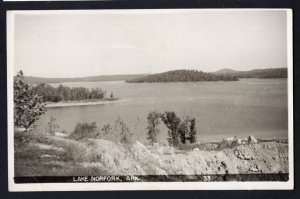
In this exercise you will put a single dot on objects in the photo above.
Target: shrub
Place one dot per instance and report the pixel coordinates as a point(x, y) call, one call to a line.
point(107, 132)
point(153, 122)
point(85, 130)
point(52, 127)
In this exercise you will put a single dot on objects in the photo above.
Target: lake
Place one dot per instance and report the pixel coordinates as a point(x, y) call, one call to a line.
point(222, 109)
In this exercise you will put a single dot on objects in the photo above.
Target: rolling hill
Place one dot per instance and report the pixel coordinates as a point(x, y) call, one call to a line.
point(256, 73)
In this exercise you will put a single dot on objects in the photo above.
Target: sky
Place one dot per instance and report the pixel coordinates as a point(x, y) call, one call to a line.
point(87, 43)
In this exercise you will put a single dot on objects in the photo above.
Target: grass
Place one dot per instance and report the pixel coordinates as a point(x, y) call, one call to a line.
point(200, 146)
point(56, 158)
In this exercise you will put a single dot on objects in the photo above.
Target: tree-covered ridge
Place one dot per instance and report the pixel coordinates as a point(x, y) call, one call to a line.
point(182, 76)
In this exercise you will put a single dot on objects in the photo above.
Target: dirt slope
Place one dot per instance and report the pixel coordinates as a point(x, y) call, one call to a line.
point(266, 157)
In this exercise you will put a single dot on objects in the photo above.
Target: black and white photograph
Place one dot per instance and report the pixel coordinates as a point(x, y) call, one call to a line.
point(150, 99)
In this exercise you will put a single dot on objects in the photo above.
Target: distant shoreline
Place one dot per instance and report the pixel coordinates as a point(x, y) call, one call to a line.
point(82, 102)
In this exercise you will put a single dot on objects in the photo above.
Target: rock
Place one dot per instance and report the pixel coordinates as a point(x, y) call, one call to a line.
point(255, 168)
point(139, 170)
point(160, 151)
point(228, 141)
point(142, 154)
point(244, 141)
point(159, 171)
point(252, 140)
point(224, 165)
point(248, 157)
point(46, 156)
point(124, 164)
point(196, 149)
point(58, 134)
point(243, 155)
point(19, 129)
point(236, 152)
point(236, 142)
point(155, 145)
point(107, 161)
point(168, 150)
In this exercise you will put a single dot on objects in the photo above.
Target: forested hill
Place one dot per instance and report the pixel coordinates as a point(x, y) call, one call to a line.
point(182, 76)
point(256, 73)
point(39, 80)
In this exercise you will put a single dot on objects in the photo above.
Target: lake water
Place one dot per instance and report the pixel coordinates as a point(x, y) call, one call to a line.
point(247, 107)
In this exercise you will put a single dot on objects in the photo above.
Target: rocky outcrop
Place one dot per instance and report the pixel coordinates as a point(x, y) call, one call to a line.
point(138, 159)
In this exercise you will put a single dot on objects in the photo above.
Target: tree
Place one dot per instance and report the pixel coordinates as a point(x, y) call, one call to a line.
point(193, 132)
point(172, 122)
point(28, 106)
point(123, 130)
point(184, 131)
point(153, 122)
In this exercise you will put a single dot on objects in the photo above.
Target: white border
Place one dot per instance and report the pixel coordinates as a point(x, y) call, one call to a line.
point(144, 185)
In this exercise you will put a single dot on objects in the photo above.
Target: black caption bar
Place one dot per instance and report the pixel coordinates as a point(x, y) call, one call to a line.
point(153, 178)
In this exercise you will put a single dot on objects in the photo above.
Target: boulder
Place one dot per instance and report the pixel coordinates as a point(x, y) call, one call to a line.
point(252, 140)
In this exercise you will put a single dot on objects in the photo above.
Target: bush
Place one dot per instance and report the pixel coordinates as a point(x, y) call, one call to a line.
point(85, 130)
point(52, 127)
point(107, 132)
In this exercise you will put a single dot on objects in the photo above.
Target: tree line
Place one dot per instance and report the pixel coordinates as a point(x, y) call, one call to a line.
point(64, 93)
point(179, 131)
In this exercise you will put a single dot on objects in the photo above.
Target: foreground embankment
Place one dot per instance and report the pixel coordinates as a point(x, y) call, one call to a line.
point(54, 155)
